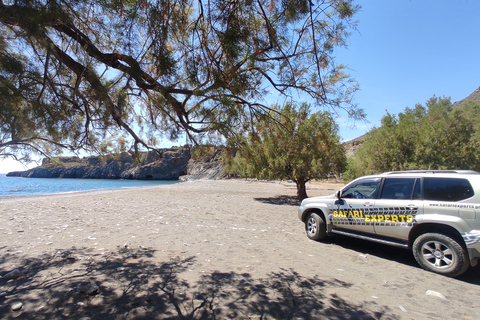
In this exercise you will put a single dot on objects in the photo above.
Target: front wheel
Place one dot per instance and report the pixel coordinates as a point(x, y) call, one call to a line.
point(315, 227)
point(441, 254)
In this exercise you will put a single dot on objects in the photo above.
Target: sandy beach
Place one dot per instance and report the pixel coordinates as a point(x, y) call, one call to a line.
point(225, 249)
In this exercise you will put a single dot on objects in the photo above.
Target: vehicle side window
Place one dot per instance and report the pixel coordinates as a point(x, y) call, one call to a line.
point(363, 189)
point(447, 189)
point(398, 188)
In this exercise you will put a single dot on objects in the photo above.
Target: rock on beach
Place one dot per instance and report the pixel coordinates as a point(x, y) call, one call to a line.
point(14, 274)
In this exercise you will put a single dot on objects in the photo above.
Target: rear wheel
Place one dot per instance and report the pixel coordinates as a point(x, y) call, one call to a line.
point(315, 226)
point(441, 254)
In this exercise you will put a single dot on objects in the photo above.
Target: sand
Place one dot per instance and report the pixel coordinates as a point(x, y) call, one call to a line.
point(226, 249)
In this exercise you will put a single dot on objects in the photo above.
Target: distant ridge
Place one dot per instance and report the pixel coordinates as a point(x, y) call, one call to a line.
point(474, 96)
point(352, 146)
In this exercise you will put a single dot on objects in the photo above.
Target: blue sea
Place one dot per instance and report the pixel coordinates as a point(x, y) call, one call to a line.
point(16, 186)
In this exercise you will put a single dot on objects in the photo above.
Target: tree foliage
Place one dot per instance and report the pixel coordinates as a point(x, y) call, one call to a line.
point(77, 74)
point(432, 137)
point(292, 144)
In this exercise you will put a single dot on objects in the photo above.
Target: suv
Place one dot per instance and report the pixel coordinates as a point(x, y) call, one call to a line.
point(435, 213)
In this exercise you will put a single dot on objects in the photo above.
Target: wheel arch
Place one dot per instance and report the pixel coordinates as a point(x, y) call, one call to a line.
point(318, 211)
point(422, 228)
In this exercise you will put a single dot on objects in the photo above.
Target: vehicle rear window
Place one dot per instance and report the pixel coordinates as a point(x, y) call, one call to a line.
point(447, 189)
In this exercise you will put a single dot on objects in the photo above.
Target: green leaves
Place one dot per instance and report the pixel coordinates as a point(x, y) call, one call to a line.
point(158, 68)
point(431, 137)
point(294, 144)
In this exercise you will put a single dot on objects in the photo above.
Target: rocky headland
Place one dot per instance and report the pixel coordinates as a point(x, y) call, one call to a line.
point(167, 164)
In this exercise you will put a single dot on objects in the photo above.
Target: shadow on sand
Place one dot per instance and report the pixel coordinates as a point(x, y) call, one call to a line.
point(280, 200)
point(128, 284)
point(400, 255)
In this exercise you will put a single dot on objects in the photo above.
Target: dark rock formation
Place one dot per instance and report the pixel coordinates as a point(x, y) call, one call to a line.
point(209, 167)
point(168, 165)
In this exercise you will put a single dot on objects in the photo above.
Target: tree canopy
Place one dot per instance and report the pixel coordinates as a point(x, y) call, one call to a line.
point(81, 74)
point(434, 136)
point(292, 144)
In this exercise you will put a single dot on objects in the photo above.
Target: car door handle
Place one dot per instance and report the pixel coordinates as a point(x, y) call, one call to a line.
point(368, 204)
point(412, 207)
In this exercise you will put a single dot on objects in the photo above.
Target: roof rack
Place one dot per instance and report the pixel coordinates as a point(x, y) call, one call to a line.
point(434, 171)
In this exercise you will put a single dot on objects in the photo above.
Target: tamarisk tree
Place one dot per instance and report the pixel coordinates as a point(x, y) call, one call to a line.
point(97, 74)
point(291, 144)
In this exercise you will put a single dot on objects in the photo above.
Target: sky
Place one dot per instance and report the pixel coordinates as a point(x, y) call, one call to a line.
point(404, 52)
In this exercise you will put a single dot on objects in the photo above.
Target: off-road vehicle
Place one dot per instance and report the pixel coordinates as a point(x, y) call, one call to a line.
point(435, 213)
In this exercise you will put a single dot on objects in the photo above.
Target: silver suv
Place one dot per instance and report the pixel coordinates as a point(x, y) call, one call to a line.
point(434, 213)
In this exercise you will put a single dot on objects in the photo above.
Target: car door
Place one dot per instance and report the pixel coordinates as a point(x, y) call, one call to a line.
point(355, 203)
point(397, 206)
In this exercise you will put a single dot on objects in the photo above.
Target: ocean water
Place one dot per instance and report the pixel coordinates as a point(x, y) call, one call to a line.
point(16, 186)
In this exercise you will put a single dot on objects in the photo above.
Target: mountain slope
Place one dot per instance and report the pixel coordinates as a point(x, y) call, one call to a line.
point(474, 96)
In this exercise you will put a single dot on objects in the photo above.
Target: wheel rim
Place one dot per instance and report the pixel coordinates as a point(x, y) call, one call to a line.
point(312, 226)
point(437, 254)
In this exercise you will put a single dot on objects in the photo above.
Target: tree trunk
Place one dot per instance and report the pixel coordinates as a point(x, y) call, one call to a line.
point(301, 188)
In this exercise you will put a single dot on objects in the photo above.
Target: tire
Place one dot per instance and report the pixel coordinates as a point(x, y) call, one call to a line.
point(315, 227)
point(441, 254)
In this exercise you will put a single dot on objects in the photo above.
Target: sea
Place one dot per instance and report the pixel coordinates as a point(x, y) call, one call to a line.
point(17, 186)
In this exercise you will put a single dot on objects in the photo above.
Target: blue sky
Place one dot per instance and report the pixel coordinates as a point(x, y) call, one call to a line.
point(404, 52)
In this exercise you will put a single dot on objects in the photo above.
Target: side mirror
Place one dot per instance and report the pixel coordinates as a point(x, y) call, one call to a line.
point(338, 194)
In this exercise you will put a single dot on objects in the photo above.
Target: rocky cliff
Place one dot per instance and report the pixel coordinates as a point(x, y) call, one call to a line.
point(169, 164)
point(206, 167)
point(351, 147)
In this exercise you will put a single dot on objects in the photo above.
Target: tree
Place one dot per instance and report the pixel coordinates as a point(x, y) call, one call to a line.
point(84, 74)
point(292, 144)
point(447, 139)
point(432, 137)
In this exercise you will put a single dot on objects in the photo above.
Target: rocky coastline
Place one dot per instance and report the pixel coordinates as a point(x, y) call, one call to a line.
point(169, 164)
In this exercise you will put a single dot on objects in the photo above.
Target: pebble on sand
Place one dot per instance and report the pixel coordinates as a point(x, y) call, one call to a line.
point(16, 306)
point(14, 274)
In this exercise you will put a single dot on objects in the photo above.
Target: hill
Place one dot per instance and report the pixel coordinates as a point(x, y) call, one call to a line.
point(352, 146)
point(474, 96)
